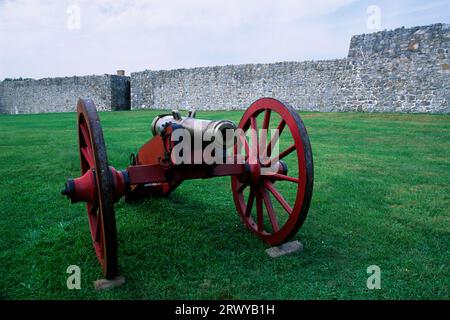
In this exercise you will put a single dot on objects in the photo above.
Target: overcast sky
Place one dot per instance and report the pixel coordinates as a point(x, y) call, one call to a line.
point(64, 38)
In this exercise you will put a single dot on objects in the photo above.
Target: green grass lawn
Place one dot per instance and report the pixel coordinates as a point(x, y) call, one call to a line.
point(381, 197)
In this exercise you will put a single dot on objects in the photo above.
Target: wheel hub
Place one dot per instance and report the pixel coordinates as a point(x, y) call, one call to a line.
point(253, 174)
point(84, 188)
point(256, 174)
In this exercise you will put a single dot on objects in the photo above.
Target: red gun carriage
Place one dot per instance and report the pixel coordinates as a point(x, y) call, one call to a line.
point(153, 171)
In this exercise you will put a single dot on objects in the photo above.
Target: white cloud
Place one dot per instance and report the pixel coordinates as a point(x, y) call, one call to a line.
point(140, 34)
point(135, 35)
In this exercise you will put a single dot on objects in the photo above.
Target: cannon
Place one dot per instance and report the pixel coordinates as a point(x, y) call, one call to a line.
point(272, 195)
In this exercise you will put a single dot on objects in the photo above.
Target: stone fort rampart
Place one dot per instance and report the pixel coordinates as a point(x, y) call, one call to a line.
point(402, 70)
point(110, 92)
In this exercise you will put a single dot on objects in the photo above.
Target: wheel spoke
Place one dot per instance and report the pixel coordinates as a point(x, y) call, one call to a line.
point(95, 217)
point(274, 139)
point(270, 211)
point(88, 156)
point(263, 139)
point(254, 140)
point(244, 143)
point(285, 153)
point(279, 197)
point(251, 199)
point(93, 209)
point(259, 211)
point(242, 187)
point(279, 176)
point(86, 137)
point(266, 120)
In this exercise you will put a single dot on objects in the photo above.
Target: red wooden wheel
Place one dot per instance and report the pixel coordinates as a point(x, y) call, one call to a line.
point(100, 209)
point(274, 204)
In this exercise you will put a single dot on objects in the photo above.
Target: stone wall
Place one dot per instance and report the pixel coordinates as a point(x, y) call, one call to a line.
point(2, 106)
point(403, 70)
point(312, 85)
point(109, 92)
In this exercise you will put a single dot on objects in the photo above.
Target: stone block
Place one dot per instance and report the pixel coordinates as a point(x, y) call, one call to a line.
point(285, 249)
point(107, 284)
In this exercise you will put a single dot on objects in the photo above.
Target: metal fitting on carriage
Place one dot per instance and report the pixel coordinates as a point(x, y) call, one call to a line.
point(121, 183)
